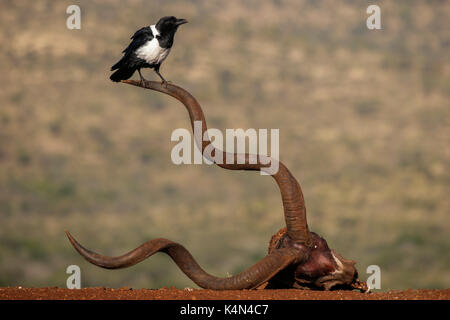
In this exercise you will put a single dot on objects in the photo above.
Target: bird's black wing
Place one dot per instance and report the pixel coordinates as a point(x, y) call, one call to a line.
point(145, 31)
point(139, 38)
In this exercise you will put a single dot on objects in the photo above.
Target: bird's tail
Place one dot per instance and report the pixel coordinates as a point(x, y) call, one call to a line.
point(122, 74)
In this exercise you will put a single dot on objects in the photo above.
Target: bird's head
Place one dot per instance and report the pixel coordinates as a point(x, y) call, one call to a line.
point(170, 24)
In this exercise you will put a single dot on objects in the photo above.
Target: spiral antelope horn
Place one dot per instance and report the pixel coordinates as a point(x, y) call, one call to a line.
point(251, 278)
point(262, 271)
point(291, 192)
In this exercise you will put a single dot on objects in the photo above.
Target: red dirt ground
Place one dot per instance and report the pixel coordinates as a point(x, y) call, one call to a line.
point(19, 293)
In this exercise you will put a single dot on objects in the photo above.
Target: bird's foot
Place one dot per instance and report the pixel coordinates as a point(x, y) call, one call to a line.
point(142, 81)
point(164, 83)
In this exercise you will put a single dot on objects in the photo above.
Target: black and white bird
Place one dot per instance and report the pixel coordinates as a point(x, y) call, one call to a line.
point(148, 49)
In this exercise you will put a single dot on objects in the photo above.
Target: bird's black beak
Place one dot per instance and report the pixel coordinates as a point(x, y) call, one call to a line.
point(181, 21)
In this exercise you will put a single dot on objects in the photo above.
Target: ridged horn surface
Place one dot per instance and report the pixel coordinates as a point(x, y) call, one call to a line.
point(291, 192)
point(251, 278)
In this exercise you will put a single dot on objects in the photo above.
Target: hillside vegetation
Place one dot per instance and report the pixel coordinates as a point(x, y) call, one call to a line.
point(364, 123)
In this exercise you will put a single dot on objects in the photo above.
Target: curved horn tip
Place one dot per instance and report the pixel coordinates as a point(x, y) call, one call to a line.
point(71, 238)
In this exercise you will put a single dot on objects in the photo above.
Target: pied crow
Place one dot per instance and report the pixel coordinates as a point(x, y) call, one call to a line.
point(148, 49)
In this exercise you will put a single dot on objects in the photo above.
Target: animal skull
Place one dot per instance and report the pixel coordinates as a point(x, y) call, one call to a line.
point(297, 258)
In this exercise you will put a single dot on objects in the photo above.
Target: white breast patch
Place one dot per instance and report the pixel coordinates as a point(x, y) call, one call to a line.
point(151, 52)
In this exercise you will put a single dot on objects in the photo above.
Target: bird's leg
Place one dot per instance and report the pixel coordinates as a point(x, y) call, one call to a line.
point(164, 82)
point(142, 78)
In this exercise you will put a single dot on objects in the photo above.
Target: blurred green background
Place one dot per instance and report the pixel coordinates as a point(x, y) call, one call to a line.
point(364, 123)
